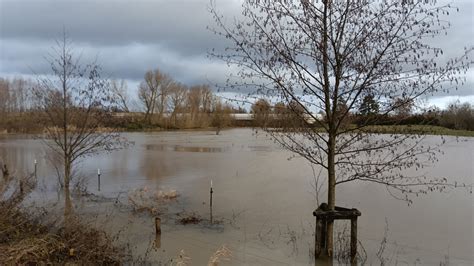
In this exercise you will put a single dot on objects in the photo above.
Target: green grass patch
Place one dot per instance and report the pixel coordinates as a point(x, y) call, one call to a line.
point(418, 129)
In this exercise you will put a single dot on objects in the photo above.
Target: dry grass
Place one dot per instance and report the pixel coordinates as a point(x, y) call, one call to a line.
point(222, 254)
point(188, 218)
point(25, 239)
point(153, 202)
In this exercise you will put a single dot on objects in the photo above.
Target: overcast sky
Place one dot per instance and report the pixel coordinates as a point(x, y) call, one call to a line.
point(130, 37)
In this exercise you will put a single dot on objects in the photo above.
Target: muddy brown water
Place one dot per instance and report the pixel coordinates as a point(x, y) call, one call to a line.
point(264, 200)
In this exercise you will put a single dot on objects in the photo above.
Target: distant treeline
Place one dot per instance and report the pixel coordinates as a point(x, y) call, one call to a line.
point(163, 103)
point(167, 104)
point(456, 116)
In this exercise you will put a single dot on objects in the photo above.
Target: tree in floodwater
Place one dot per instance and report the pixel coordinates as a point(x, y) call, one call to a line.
point(327, 54)
point(74, 102)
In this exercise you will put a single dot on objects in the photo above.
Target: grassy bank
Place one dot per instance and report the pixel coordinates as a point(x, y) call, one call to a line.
point(410, 129)
point(418, 129)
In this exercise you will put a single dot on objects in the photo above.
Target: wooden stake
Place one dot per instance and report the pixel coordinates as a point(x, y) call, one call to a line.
point(354, 240)
point(318, 237)
point(158, 225)
point(157, 232)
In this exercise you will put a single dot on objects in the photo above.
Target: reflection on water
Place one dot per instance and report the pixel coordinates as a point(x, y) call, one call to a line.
point(179, 148)
point(268, 199)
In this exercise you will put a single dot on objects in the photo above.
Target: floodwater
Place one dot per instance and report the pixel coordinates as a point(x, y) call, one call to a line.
point(263, 199)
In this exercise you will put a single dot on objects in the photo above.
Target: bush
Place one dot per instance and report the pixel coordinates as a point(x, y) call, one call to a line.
point(458, 116)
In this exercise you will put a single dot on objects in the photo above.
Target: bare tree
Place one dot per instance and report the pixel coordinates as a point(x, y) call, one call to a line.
point(178, 94)
point(458, 116)
point(206, 98)
point(199, 104)
point(4, 100)
point(261, 111)
point(403, 107)
point(326, 53)
point(153, 92)
point(220, 115)
point(194, 102)
point(120, 91)
point(75, 102)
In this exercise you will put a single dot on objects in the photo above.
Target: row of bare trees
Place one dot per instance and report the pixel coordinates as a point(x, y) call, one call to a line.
point(16, 101)
point(164, 102)
point(168, 103)
point(15, 95)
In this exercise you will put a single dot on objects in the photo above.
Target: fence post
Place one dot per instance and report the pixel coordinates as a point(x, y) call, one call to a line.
point(318, 237)
point(353, 239)
point(157, 232)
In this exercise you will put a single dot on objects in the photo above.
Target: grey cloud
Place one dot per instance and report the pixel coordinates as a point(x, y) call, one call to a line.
point(180, 25)
point(131, 37)
point(129, 61)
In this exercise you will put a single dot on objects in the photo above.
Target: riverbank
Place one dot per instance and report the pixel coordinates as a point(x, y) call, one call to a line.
point(380, 129)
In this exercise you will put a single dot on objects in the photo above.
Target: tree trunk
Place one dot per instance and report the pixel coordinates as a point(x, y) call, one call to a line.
point(67, 173)
point(331, 192)
point(67, 209)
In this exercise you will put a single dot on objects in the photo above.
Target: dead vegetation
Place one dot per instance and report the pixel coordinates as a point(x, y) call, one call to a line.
point(77, 243)
point(26, 239)
point(342, 250)
point(188, 218)
point(153, 202)
point(220, 255)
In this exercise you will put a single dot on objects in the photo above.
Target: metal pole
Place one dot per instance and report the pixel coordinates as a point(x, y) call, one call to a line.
point(210, 204)
point(36, 168)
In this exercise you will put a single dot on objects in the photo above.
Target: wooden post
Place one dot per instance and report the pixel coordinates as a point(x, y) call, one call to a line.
point(157, 232)
point(98, 179)
point(323, 216)
point(354, 239)
point(327, 251)
point(210, 202)
point(158, 225)
point(318, 237)
point(5, 172)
